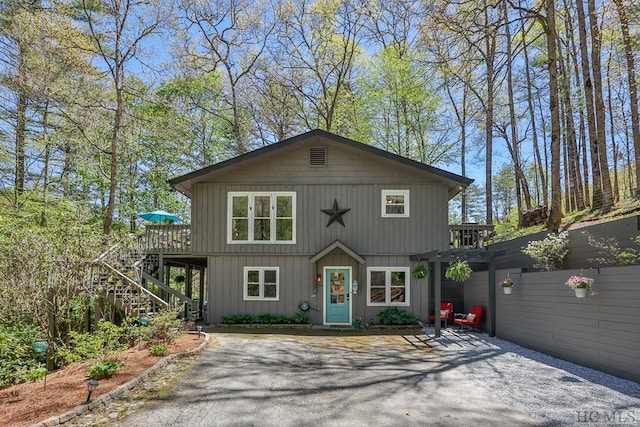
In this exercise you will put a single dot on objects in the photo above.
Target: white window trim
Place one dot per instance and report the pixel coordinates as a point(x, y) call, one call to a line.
point(388, 270)
point(407, 207)
point(261, 271)
point(251, 195)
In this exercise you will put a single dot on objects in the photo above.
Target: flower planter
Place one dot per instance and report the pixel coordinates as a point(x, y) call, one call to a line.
point(581, 292)
point(507, 290)
point(356, 324)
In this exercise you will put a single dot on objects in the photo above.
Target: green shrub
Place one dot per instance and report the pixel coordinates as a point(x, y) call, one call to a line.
point(395, 316)
point(163, 327)
point(158, 350)
point(548, 252)
point(107, 340)
point(266, 319)
point(104, 369)
point(18, 362)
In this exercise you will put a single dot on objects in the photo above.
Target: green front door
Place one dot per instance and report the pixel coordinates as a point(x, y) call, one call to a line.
point(337, 285)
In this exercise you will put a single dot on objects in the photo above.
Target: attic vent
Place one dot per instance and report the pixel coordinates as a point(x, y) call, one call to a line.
point(318, 156)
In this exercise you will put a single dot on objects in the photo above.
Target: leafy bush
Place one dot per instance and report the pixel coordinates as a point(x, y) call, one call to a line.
point(163, 327)
point(18, 361)
point(158, 350)
point(104, 369)
point(550, 251)
point(267, 319)
point(107, 340)
point(612, 254)
point(395, 316)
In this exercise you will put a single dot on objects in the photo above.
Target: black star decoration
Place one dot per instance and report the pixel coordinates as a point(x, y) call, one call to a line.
point(335, 213)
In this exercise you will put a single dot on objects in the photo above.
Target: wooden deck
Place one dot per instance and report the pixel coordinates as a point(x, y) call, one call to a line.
point(176, 238)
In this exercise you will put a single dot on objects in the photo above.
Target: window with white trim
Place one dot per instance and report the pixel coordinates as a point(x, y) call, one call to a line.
point(388, 286)
point(261, 217)
point(261, 283)
point(395, 203)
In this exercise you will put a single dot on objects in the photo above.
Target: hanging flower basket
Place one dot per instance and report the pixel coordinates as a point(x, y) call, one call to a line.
point(507, 285)
point(580, 285)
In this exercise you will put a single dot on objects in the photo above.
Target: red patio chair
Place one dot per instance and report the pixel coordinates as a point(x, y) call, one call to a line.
point(473, 319)
point(446, 313)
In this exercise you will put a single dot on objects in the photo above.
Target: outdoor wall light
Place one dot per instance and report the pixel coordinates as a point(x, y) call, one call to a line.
point(91, 385)
point(318, 279)
point(355, 287)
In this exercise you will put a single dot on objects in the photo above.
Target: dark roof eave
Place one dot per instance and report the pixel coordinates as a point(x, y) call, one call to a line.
point(185, 188)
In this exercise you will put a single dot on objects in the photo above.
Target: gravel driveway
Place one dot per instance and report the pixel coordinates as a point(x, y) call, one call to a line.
point(348, 380)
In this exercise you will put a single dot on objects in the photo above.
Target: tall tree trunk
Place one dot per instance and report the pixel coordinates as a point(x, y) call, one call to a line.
point(633, 87)
point(490, 49)
point(555, 215)
point(574, 189)
point(21, 125)
point(614, 147)
point(534, 131)
point(522, 188)
point(596, 51)
point(597, 197)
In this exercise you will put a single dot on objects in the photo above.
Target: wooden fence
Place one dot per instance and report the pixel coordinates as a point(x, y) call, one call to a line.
point(601, 331)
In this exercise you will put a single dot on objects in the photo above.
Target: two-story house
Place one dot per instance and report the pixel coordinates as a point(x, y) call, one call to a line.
point(317, 219)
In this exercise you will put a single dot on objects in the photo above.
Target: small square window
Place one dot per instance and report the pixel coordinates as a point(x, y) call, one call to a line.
point(395, 203)
point(261, 283)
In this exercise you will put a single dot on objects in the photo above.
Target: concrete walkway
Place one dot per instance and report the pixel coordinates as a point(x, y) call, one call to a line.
point(350, 379)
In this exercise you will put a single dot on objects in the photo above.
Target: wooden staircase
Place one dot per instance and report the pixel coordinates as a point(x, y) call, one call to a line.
point(124, 276)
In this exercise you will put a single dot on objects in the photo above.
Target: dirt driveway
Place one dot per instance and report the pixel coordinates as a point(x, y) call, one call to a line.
point(253, 379)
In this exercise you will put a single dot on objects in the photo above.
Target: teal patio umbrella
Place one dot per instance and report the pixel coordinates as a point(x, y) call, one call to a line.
point(159, 216)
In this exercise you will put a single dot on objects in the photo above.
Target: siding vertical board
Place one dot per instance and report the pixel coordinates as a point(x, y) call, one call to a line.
point(601, 331)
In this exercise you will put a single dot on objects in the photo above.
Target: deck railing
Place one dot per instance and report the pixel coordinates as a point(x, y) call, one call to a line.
point(469, 236)
point(168, 238)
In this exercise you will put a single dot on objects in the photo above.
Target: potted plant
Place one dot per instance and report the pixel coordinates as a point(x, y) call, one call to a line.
point(458, 271)
point(356, 321)
point(581, 285)
point(420, 271)
point(507, 284)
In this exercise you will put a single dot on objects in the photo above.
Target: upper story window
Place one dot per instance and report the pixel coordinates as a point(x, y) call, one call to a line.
point(395, 203)
point(261, 217)
point(388, 286)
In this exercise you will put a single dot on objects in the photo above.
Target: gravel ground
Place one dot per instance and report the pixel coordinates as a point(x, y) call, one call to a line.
point(557, 392)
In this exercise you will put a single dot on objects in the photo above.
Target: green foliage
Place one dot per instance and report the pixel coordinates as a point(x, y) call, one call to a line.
point(107, 340)
point(395, 316)
point(420, 272)
point(266, 319)
point(163, 327)
point(549, 252)
point(158, 350)
point(104, 369)
point(18, 361)
point(458, 271)
point(611, 251)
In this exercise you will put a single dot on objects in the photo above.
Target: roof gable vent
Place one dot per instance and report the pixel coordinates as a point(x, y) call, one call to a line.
point(318, 157)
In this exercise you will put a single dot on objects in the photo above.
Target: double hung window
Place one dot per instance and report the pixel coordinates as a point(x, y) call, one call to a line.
point(395, 203)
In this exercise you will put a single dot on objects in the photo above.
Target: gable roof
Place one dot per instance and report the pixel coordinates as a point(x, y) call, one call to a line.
point(184, 183)
point(337, 244)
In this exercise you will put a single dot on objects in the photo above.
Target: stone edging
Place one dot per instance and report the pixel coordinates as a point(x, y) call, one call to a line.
point(121, 389)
